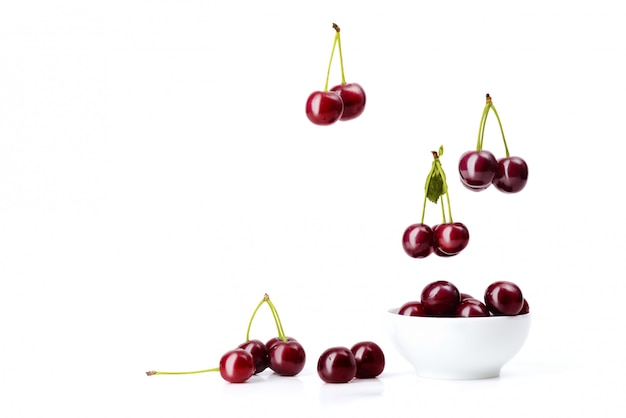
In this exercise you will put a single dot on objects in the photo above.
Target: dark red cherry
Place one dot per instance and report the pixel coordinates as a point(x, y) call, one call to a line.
point(236, 366)
point(450, 238)
point(259, 352)
point(477, 169)
point(370, 359)
point(525, 308)
point(470, 308)
point(504, 298)
point(417, 240)
point(336, 365)
point(412, 308)
point(324, 108)
point(511, 175)
point(353, 97)
point(287, 358)
point(465, 296)
point(270, 343)
point(440, 298)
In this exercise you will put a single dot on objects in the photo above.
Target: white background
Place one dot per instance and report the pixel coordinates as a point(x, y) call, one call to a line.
point(158, 175)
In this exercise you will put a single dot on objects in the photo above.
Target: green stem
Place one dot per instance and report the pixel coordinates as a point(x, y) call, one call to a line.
point(424, 208)
point(481, 128)
point(443, 212)
point(279, 324)
point(332, 53)
point(506, 148)
point(153, 372)
point(343, 76)
point(265, 298)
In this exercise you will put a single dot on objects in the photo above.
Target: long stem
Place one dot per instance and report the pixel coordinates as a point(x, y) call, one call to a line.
point(154, 372)
point(481, 128)
point(424, 208)
point(443, 212)
point(332, 53)
point(506, 148)
point(265, 298)
point(279, 324)
point(343, 76)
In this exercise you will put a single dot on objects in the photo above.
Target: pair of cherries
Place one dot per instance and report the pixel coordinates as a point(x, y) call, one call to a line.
point(364, 360)
point(479, 168)
point(345, 101)
point(282, 354)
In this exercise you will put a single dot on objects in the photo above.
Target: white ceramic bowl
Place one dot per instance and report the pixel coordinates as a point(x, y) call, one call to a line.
point(457, 348)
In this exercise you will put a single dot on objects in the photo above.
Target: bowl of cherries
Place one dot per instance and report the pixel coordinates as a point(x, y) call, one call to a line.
point(446, 334)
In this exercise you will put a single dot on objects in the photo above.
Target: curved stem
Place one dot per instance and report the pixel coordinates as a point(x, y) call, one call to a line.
point(481, 128)
point(154, 372)
point(343, 76)
point(331, 61)
point(279, 324)
point(506, 148)
point(265, 298)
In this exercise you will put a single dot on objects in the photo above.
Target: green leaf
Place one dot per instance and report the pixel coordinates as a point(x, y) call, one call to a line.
point(435, 187)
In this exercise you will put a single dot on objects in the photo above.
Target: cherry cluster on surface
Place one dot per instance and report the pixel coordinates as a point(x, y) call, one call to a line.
point(443, 299)
point(282, 354)
point(345, 101)
point(479, 168)
point(446, 239)
point(364, 360)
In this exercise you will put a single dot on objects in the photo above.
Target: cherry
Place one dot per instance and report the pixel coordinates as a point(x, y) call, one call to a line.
point(237, 366)
point(324, 108)
point(477, 169)
point(465, 296)
point(353, 97)
point(337, 365)
point(417, 240)
point(272, 341)
point(440, 298)
point(525, 308)
point(511, 174)
point(450, 238)
point(504, 298)
point(370, 359)
point(471, 307)
point(287, 358)
point(412, 308)
point(259, 352)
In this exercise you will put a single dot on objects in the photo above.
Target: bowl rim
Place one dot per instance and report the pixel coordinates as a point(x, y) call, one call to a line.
point(394, 312)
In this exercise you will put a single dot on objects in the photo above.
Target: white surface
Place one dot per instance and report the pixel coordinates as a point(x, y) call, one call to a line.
point(158, 175)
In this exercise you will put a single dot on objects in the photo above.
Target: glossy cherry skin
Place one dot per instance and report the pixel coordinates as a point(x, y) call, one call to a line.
point(412, 308)
point(324, 108)
point(450, 238)
point(259, 352)
point(270, 343)
point(504, 298)
point(287, 358)
point(440, 298)
point(525, 308)
point(370, 359)
point(336, 365)
point(471, 308)
point(465, 296)
point(477, 169)
point(237, 366)
point(417, 240)
point(353, 97)
point(511, 175)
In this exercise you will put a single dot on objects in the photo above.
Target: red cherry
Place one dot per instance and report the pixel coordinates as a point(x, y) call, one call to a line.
point(504, 298)
point(272, 341)
point(336, 365)
point(511, 175)
point(440, 298)
point(470, 308)
point(324, 108)
point(417, 240)
point(477, 169)
point(353, 97)
point(259, 352)
point(287, 358)
point(525, 308)
point(450, 238)
point(370, 359)
point(412, 308)
point(237, 366)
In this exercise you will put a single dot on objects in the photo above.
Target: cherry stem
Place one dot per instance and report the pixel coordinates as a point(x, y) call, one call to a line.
point(445, 186)
point(506, 148)
point(265, 299)
point(279, 324)
point(343, 76)
point(154, 372)
point(332, 53)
